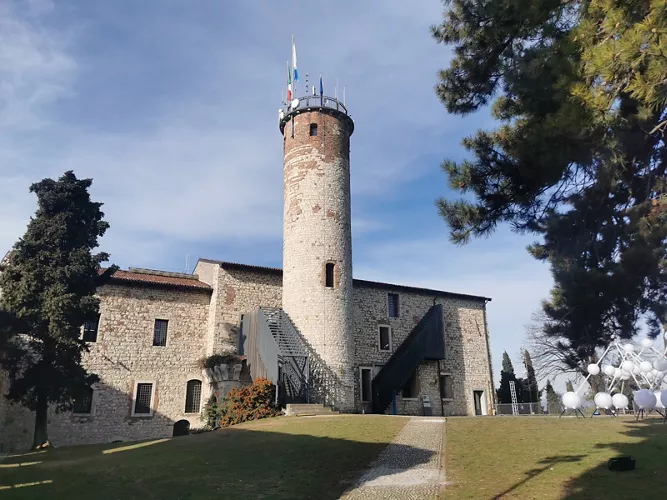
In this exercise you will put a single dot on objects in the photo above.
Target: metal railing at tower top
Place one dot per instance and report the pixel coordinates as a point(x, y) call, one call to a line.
point(314, 101)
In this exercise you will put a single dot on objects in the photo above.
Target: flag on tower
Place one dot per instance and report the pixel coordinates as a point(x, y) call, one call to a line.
point(321, 87)
point(296, 71)
point(289, 85)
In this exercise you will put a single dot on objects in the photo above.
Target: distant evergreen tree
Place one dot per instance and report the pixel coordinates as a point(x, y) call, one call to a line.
point(507, 363)
point(48, 292)
point(553, 399)
point(507, 376)
point(531, 382)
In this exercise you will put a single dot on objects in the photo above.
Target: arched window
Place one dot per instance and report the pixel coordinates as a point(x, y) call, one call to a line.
point(313, 129)
point(193, 396)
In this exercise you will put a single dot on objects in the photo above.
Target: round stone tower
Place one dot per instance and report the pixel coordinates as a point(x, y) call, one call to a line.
point(317, 242)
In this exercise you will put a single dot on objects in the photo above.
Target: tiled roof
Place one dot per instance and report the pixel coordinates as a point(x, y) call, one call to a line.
point(159, 279)
point(356, 282)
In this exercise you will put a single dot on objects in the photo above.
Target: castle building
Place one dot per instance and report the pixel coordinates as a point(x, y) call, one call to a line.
point(164, 342)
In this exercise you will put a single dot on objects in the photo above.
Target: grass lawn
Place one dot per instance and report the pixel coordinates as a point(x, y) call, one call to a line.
point(285, 457)
point(547, 457)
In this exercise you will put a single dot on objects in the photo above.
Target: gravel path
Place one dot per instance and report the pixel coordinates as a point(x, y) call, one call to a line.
point(410, 467)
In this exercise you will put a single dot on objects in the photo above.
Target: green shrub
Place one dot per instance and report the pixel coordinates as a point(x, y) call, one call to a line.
point(241, 405)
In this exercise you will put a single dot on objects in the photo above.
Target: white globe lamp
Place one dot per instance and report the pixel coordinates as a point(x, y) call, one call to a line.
point(603, 400)
point(645, 366)
point(647, 343)
point(645, 399)
point(660, 364)
point(593, 369)
point(663, 398)
point(571, 400)
point(629, 348)
point(620, 401)
point(627, 365)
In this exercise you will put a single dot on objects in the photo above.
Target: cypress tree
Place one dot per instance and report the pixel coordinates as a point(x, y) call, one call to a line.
point(553, 399)
point(531, 383)
point(48, 291)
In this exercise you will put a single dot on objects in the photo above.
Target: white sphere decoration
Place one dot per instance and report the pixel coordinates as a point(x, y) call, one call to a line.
point(636, 370)
point(660, 364)
point(593, 369)
point(620, 401)
point(617, 372)
point(609, 370)
point(649, 376)
point(647, 343)
point(603, 400)
point(663, 398)
point(629, 348)
point(658, 403)
point(645, 366)
point(626, 375)
point(571, 400)
point(645, 399)
point(627, 365)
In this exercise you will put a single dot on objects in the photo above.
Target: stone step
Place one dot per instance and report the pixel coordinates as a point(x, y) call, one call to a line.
point(307, 409)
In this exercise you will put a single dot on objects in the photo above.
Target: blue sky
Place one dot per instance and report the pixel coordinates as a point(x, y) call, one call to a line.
point(171, 107)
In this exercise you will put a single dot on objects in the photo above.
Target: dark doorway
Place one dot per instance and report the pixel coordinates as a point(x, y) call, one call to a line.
point(181, 428)
point(478, 401)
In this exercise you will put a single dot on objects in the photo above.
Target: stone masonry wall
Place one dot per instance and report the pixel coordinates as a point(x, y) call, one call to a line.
point(124, 355)
point(466, 350)
point(317, 231)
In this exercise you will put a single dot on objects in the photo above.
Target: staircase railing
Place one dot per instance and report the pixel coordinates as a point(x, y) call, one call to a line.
point(426, 341)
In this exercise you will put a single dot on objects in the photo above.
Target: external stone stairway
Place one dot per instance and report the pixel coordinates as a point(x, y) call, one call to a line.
point(302, 410)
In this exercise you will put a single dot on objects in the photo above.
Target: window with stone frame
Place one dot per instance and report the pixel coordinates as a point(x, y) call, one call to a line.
point(193, 396)
point(143, 399)
point(160, 332)
point(384, 338)
point(366, 377)
point(446, 387)
point(411, 389)
point(329, 274)
point(90, 330)
point(392, 305)
point(83, 402)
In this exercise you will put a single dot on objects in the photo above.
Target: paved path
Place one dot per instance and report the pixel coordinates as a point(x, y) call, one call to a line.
point(410, 467)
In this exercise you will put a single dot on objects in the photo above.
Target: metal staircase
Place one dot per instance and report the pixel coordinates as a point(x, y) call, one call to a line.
point(426, 341)
point(277, 352)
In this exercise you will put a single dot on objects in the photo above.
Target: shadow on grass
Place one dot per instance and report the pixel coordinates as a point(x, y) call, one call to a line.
point(231, 463)
point(649, 476)
point(547, 464)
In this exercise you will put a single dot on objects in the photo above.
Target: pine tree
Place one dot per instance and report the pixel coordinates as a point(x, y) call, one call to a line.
point(531, 382)
point(507, 363)
point(553, 399)
point(506, 376)
point(48, 289)
point(578, 158)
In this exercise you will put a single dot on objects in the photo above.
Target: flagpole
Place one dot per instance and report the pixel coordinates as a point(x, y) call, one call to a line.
point(293, 79)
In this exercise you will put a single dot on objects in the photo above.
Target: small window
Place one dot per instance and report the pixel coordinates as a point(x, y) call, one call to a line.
point(83, 403)
point(143, 399)
point(90, 330)
point(385, 338)
point(329, 271)
point(411, 389)
point(160, 332)
point(446, 390)
point(193, 396)
point(366, 384)
point(392, 305)
point(313, 129)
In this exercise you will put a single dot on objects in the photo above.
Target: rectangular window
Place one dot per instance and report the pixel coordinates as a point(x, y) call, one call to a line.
point(385, 338)
point(329, 268)
point(160, 332)
point(366, 384)
point(143, 399)
point(446, 390)
point(192, 396)
point(392, 305)
point(83, 403)
point(90, 330)
point(411, 389)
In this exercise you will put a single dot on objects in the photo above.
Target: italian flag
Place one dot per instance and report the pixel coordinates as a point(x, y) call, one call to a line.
point(289, 85)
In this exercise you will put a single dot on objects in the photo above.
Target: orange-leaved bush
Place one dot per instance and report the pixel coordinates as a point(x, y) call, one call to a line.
point(249, 403)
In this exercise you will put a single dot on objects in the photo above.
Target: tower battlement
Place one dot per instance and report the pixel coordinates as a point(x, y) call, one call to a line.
point(320, 103)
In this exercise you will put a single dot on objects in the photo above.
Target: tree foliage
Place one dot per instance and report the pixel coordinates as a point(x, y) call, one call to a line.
point(531, 378)
point(48, 291)
point(580, 91)
point(553, 399)
point(507, 363)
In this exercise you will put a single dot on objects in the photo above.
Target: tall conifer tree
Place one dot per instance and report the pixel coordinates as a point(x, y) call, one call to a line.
point(578, 159)
point(48, 291)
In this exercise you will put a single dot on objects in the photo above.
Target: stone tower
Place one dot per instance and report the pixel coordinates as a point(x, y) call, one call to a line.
point(317, 242)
